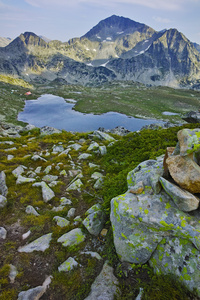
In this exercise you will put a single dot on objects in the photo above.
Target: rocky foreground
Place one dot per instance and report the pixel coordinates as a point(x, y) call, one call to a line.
point(55, 234)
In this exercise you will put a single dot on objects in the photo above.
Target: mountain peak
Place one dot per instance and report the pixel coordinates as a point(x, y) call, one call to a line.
point(113, 27)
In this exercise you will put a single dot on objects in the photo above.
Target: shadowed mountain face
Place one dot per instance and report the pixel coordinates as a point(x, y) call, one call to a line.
point(116, 48)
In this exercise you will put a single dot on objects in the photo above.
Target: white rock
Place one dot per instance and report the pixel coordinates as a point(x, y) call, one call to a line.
point(65, 201)
point(31, 210)
point(3, 201)
point(68, 265)
point(84, 156)
point(13, 273)
point(26, 235)
point(73, 237)
point(62, 222)
point(47, 193)
point(75, 185)
point(3, 233)
point(93, 254)
point(47, 169)
point(19, 170)
point(40, 244)
point(38, 157)
point(10, 157)
point(71, 213)
point(22, 179)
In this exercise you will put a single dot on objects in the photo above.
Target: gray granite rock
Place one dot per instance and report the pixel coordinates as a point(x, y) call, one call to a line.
point(3, 201)
point(105, 286)
point(3, 186)
point(76, 185)
point(21, 179)
point(31, 210)
point(68, 265)
point(49, 178)
point(184, 200)
point(179, 257)
point(40, 244)
point(94, 221)
point(3, 233)
point(73, 237)
point(19, 170)
point(47, 193)
point(62, 222)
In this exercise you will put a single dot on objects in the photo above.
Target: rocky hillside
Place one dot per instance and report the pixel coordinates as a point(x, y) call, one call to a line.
point(56, 236)
point(115, 49)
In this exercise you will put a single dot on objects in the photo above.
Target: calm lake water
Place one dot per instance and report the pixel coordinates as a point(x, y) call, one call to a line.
point(54, 111)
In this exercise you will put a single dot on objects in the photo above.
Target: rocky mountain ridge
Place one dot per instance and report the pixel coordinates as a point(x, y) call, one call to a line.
point(115, 49)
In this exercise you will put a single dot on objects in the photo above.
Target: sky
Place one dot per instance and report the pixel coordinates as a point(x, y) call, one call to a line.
point(66, 19)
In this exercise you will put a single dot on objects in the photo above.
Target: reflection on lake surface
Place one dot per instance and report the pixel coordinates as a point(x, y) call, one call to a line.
point(54, 111)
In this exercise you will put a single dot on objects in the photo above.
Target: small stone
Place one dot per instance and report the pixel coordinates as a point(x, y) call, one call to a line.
point(96, 175)
point(62, 222)
point(47, 193)
point(58, 148)
point(63, 173)
point(103, 150)
point(38, 170)
point(98, 184)
point(47, 169)
point(105, 285)
point(93, 254)
point(13, 273)
point(49, 178)
point(138, 188)
point(38, 157)
point(71, 213)
point(3, 233)
point(91, 165)
point(19, 170)
point(53, 183)
point(22, 179)
point(65, 201)
point(75, 146)
point(93, 146)
point(40, 244)
point(104, 232)
point(26, 235)
point(10, 157)
point(3, 186)
point(3, 201)
point(68, 265)
point(75, 185)
point(84, 156)
point(72, 238)
point(94, 222)
point(31, 210)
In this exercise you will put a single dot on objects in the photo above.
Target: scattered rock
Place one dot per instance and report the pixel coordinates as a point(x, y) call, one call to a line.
point(38, 157)
point(26, 235)
point(13, 273)
point(49, 178)
point(47, 130)
point(3, 201)
point(40, 244)
point(68, 265)
point(3, 186)
point(3, 233)
point(21, 179)
point(73, 237)
point(31, 210)
point(71, 213)
point(103, 136)
point(84, 156)
point(62, 222)
point(105, 285)
point(92, 254)
point(64, 201)
point(35, 293)
point(94, 222)
point(75, 185)
point(192, 117)
point(47, 193)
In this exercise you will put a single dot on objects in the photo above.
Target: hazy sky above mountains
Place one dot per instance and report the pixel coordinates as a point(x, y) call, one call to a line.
point(65, 19)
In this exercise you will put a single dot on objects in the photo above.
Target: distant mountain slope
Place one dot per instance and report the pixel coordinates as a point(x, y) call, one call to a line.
point(170, 60)
point(115, 27)
point(126, 50)
point(4, 41)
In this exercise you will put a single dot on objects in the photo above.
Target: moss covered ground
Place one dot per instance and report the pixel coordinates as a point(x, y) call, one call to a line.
point(32, 268)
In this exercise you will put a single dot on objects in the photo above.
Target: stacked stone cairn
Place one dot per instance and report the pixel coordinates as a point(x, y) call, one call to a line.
point(157, 220)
